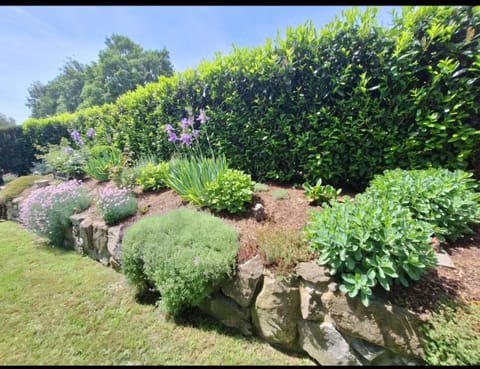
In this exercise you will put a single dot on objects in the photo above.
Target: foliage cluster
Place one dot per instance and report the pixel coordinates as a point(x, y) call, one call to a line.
point(385, 234)
point(121, 66)
point(451, 335)
point(184, 254)
point(446, 199)
point(319, 194)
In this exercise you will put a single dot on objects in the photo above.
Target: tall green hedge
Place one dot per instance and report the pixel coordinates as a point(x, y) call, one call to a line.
point(342, 103)
point(16, 151)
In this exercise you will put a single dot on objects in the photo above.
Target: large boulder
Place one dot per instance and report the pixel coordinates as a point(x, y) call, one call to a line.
point(227, 312)
point(242, 287)
point(276, 311)
point(325, 344)
point(314, 280)
point(380, 323)
point(100, 242)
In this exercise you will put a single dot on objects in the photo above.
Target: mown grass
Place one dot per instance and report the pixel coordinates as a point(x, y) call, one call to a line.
point(58, 308)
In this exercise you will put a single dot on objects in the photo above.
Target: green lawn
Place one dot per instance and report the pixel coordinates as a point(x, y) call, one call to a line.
point(57, 307)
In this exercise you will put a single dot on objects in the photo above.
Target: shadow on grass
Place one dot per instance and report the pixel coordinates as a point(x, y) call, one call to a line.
point(195, 318)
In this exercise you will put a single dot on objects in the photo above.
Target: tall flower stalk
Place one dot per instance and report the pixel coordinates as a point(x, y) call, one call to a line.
point(191, 171)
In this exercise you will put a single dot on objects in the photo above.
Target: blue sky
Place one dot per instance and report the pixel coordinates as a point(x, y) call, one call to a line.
point(36, 41)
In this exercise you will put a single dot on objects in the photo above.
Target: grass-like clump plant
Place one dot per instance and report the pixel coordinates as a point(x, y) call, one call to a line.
point(99, 161)
point(204, 180)
point(47, 210)
point(184, 254)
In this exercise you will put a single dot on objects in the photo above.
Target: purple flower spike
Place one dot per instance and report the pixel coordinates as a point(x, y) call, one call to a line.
point(91, 132)
point(202, 117)
point(184, 123)
point(68, 149)
point(195, 132)
point(186, 138)
point(172, 137)
point(169, 128)
point(76, 136)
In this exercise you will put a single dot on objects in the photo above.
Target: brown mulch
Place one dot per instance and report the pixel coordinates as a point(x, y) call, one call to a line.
point(421, 296)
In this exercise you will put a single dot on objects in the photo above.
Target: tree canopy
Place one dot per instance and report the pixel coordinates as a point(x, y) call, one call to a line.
point(122, 66)
point(6, 121)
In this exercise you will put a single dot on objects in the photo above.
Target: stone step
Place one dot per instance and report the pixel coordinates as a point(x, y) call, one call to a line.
point(444, 259)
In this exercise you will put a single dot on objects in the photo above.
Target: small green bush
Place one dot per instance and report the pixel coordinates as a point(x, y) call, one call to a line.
point(230, 191)
point(319, 194)
point(100, 159)
point(446, 199)
point(283, 247)
point(16, 187)
point(280, 194)
point(451, 335)
point(115, 204)
point(152, 176)
point(185, 254)
point(369, 241)
point(47, 210)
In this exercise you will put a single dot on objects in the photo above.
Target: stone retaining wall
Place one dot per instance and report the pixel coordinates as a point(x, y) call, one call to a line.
point(304, 313)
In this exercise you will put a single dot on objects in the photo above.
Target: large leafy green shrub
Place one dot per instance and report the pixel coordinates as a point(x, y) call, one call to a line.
point(446, 199)
point(47, 210)
point(369, 242)
point(185, 254)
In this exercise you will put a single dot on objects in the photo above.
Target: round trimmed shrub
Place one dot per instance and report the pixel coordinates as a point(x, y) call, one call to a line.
point(184, 254)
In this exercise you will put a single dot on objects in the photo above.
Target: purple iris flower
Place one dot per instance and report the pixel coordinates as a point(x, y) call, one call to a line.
point(91, 132)
point(186, 138)
point(172, 137)
point(202, 117)
point(76, 136)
